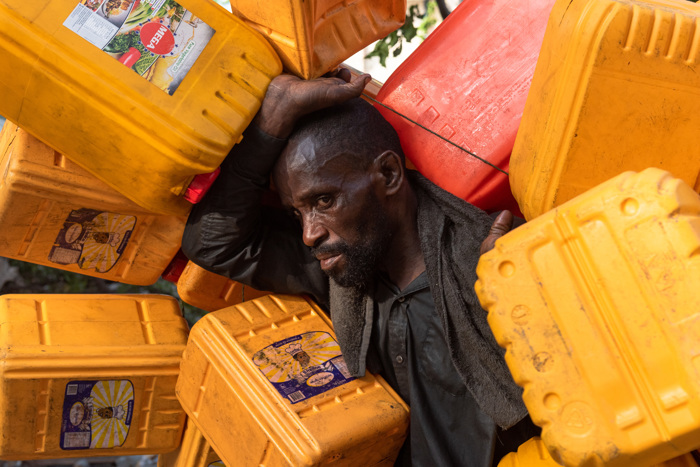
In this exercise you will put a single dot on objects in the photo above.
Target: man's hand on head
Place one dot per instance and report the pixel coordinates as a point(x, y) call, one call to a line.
point(500, 227)
point(288, 98)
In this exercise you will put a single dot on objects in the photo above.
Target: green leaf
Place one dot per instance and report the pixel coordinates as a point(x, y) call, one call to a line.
point(393, 38)
point(409, 33)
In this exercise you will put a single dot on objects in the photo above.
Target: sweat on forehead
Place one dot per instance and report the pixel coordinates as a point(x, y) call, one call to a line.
point(354, 128)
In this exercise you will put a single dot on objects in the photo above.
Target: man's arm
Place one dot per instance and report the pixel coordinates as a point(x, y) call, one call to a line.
point(230, 232)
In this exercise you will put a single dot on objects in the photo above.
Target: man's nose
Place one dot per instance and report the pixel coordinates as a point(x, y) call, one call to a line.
point(313, 231)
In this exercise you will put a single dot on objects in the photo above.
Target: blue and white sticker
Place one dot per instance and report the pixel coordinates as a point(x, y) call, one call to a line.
point(303, 366)
point(96, 414)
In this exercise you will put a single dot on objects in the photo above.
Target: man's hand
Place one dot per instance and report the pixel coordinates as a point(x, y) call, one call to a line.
point(500, 227)
point(288, 98)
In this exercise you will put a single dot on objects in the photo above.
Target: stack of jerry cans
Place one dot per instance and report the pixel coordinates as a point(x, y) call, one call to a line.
point(314, 36)
point(266, 384)
point(142, 94)
point(617, 87)
point(468, 82)
point(597, 305)
point(533, 453)
point(55, 213)
point(193, 452)
point(89, 375)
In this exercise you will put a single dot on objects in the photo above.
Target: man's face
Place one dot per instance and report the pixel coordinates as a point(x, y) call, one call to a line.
point(341, 217)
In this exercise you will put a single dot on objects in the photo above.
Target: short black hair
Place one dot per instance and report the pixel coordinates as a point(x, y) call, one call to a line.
point(353, 127)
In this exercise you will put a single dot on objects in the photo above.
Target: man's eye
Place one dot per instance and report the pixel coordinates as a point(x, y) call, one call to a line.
point(324, 201)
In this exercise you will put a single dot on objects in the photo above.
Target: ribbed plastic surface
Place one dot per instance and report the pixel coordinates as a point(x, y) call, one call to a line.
point(468, 82)
point(194, 452)
point(266, 384)
point(128, 131)
point(314, 36)
point(89, 375)
point(210, 291)
point(616, 88)
point(597, 305)
point(54, 213)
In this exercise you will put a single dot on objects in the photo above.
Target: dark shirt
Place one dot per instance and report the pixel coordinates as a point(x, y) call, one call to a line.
point(447, 427)
point(408, 340)
point(230, 233)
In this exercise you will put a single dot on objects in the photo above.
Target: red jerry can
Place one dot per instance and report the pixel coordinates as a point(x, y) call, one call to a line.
point(468, 82)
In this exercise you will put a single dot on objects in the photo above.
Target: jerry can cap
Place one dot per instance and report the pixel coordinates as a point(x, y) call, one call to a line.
point(200, 185)
point(174, 270)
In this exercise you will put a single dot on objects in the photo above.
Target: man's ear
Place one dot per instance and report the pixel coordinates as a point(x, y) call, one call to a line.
point(391, 170)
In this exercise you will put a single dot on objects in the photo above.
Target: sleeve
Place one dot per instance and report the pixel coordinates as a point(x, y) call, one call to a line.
point(232, 234)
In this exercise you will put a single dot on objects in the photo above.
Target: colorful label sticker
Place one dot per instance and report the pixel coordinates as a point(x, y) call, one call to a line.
point(158, 39)
point(92, 239)
point(96, 414)
point(303, 366)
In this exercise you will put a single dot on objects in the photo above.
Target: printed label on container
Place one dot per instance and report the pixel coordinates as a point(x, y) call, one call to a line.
point(158, 39)
point(92, 239)
point(303, 366)
point(96, 414)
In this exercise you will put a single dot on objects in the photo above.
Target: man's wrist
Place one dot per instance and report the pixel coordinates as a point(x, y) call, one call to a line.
point(278, 125)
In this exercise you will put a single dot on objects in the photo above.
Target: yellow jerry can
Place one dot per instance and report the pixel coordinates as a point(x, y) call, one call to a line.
point(616, 88)
point(209, 291)
point(266, 384)
point(144, 94)
point(56, 214)
point(597, 305)
point(89, 375)
point(314, 36)
point(533, 453)
point(194, 452)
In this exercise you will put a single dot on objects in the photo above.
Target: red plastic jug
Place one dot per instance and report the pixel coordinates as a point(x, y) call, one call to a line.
point(468, 82)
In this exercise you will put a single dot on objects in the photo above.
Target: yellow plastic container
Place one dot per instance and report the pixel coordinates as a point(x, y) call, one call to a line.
point(210, 291)
point(598, 307)
point(266, 384)
point(616, 88)
point(89, 375)
point(533, 453)
point(166, 99)
point(194, 452)
point(55, 213)
point(314, 36)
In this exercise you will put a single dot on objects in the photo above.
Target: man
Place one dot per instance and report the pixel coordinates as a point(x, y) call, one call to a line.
point(400, 254)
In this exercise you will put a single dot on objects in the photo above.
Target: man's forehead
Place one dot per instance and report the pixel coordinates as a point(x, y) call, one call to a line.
point(309, 157)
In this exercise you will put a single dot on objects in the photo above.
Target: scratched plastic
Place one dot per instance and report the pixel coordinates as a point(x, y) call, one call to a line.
point(597, 305)
point(269, 374)
point(616, 88)
point(314, 36)
point(143, 94)
point(468, 81)
point(89, 375)
point(56, 214)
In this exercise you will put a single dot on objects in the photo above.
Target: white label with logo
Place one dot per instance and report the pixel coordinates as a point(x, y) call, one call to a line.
point(158, 39)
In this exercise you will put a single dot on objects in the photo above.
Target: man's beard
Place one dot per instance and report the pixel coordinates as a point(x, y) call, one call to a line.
point(361, 259)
